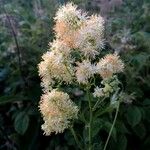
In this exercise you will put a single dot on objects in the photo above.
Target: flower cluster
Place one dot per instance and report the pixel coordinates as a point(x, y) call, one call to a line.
point(72, 57)
point(109, 65)
point(60, 47)
point(68, 21)
point(53, 67)
point(90, 36)
point(57, 110)
point(84, 71)
point(110, 85)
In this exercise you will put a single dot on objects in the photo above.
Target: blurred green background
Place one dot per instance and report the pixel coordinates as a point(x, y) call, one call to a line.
point(26, 27)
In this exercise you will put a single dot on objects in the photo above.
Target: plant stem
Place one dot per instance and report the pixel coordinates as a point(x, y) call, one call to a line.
point(99, 101)
point(116, 114)
point(76, 138)
point(17, 44)
point(90, 121)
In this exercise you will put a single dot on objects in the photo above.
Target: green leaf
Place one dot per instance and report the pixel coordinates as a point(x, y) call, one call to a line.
point(107, 127)
point(21, 122)
point(133, 116)
point(146, 102)
point(122, 143)
point(97, 125)
point(69, 138)
point(121, 127)
point(140, 130)
point(11, 98)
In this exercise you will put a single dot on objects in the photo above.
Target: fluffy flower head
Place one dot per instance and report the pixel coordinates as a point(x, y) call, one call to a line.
point(109, 65)
point(53, 67)
point(98, 92)
point(60, 47)
point(84, 71)
point(90, 37)
point(68, 20)
point(57, 110)
point(70, 15)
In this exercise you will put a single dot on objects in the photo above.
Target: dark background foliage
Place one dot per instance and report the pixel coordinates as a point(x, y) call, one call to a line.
point(25, 30)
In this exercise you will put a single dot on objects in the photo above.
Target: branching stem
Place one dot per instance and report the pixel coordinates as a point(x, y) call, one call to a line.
point(98, 103)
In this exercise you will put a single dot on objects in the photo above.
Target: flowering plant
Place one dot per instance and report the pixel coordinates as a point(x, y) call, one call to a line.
point(76, 59)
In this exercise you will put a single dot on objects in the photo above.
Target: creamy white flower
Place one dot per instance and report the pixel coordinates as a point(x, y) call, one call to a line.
point(109, 65)
point(60, 47)
point(90, 38)
point(98, 92)
point(54, 66)
point(57, 110)
point(109, 85)
point(84, 71)
point(68, 20)
point(70, 15)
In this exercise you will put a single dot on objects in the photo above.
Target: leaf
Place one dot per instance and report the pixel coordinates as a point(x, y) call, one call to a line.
point(121, 127)
point(103, 111)
point(69, 138)
point(133, 116)
point(122, 143)
point(142, 38)
point(146, 102)
point(11, 98)
point(145, 36)
point(107, 127)
point(21, 123)
point(140, 130)
point(97, 125)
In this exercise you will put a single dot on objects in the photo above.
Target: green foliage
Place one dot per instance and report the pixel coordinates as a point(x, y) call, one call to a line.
point(21, 122)
point(133, 116)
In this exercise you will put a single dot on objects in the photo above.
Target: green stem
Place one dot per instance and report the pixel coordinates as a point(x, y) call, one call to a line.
point(94, 82)
point(116, 114)
point(99, 112)
point(97, 103)
point(76, 138)
point(90, 121)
